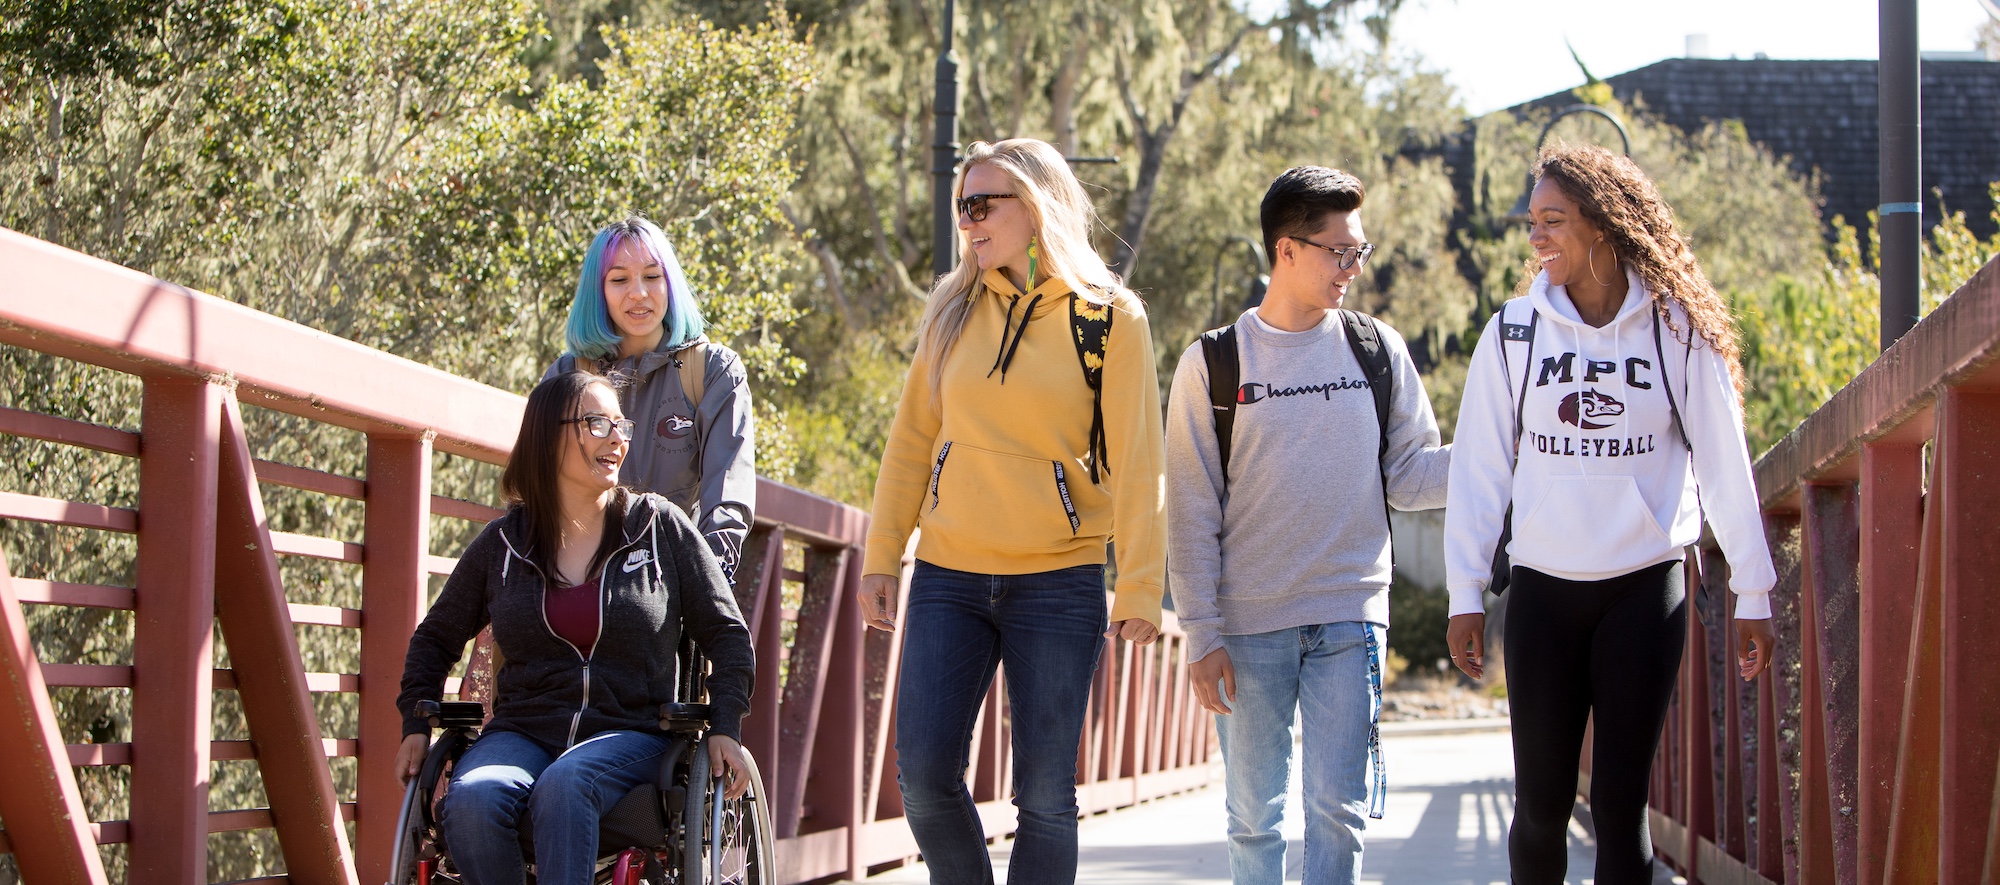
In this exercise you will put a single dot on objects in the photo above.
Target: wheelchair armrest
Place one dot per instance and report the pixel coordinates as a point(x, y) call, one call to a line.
point(453, 714)
point(684, 717)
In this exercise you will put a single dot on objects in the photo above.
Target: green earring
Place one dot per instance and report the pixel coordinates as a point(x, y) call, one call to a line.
point(1031, 263)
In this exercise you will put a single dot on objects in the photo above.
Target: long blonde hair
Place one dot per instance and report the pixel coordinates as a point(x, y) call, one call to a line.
point(1062, 216)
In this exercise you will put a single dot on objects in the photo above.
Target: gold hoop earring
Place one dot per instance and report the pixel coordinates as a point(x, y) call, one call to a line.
point(1591, 261)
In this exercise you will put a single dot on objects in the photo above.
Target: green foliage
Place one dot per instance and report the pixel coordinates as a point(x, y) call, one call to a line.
point(1804, 338)
point(1416, 615)
point(416, 175)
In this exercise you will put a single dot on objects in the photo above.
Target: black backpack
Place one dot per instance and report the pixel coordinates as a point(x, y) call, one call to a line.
point(1219, 351)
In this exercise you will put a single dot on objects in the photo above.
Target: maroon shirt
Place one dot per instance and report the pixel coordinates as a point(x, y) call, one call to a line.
point(573, 613)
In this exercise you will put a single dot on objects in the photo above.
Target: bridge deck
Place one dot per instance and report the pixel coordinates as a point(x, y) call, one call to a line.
point(1450, 800)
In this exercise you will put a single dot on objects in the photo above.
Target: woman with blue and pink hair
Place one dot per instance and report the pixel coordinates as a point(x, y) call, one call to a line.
point(635, 320)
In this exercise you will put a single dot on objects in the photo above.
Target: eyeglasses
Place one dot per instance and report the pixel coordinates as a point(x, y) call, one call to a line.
point(600, 426)
point(978, 206)
point(1350, 257)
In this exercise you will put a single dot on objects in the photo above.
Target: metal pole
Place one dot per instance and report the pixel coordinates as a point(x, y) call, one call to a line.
point(944, 155)
point(1900, 218)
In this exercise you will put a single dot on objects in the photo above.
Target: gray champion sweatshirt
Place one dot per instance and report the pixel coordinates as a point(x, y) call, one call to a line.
point(1300, 536)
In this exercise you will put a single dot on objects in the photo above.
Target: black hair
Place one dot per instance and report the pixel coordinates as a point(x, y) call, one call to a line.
point(529, 482)
point(1300, 200)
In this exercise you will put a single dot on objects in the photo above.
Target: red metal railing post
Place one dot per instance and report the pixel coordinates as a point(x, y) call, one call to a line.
point(805, 681)
point(1832, 539)
point(173, 653)
point(1912, 839)
point(270, 674)
point(1969, 476)
point(1815, 831)
point(394, 591)
point(46, 821)
point(1697, 745)
point(1891, 531)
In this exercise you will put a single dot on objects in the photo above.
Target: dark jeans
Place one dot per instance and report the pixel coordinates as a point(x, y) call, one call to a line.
point(1577, 649)
point(1048, 629)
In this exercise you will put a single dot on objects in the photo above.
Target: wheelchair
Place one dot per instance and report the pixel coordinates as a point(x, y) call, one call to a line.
point(679, 829)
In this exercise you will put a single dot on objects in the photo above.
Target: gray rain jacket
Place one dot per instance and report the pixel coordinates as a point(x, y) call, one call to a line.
point(699, 456)
point(658, 582)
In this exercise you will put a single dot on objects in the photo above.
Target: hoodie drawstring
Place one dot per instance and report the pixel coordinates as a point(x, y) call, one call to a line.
point(1005, 357)
point(1005, 325)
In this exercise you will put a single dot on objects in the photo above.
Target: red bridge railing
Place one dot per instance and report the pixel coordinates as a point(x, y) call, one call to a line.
point(207, 559)
point(1869, 755)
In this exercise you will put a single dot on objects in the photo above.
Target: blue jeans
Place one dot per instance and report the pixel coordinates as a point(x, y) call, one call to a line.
point(1048, 629)
point(505, 776)
point(1329, 676)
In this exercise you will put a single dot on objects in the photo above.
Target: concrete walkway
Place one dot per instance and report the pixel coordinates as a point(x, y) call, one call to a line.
point(1450, 801)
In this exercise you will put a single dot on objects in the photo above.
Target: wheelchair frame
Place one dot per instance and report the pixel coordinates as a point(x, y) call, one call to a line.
point(704, 839)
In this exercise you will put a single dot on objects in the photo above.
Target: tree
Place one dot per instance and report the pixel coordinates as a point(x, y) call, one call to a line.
point(391, 172)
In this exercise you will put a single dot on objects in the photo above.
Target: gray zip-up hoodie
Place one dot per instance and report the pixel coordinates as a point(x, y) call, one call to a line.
point(661, 578)
point(701, 456)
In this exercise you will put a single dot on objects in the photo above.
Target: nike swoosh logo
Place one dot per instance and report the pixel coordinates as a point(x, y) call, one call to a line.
point(633, 565)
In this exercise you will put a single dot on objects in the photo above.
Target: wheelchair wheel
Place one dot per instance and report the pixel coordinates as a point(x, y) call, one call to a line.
point(403, 860)
point(416, 831)
point(694, 818)
point(739, 837)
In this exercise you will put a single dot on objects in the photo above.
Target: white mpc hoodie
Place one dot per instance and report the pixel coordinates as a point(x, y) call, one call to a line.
point(1605, 485)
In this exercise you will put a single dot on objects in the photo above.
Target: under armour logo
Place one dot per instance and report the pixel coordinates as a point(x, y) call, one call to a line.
point(1512, 332)
point(638, 560)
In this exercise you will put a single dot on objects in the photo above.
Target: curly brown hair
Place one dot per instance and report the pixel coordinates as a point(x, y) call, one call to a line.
point(1639, 225)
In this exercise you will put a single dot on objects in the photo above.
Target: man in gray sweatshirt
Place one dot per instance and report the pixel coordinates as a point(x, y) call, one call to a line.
point(1280, 555)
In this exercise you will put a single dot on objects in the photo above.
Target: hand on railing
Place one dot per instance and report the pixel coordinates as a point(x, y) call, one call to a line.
point(1465, 638)
point(878, 601)
point(1760, 641)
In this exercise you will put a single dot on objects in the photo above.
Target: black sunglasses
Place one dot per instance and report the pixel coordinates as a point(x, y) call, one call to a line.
point(1350, 257)
point(977, 206)
point(600, 426)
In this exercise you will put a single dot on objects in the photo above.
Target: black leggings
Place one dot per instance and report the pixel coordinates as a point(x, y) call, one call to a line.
point(1577, 648)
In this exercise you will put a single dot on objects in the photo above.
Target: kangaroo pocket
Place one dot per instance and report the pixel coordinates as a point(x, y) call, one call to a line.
point(1590, 525)
point(1012, 502)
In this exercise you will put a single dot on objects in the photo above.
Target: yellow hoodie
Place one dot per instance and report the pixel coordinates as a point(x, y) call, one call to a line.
point(978, 468)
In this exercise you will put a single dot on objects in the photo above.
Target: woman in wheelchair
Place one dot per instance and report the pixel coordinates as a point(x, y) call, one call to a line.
point(589, 587)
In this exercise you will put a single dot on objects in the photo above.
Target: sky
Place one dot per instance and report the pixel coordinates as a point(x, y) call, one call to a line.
point(1502, 52)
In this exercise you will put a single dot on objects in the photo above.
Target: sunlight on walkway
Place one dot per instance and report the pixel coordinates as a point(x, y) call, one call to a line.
point(1450, 801)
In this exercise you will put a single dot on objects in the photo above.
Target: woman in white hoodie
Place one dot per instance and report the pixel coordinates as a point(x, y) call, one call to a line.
point(1601, 421)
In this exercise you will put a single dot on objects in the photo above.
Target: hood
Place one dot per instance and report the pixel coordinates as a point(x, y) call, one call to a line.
point(642, 510)
point(1050, 291)
point(1554, 304)
point(651, 361)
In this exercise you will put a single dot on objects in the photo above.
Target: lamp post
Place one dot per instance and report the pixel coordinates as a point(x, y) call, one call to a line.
point(1899, 220)
point(1258, 283)
point(1520, 211)
point(944, 153)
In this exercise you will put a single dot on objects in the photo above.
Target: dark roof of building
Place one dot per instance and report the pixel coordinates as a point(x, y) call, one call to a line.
point(1822, 114)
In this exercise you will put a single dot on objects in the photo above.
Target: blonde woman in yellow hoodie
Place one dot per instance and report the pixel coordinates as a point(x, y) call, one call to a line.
point(999, 456)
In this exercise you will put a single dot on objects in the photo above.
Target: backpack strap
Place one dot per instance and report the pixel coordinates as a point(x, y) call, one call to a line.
point(1513, 333)
point(692, 361)
point(1672, 406)
point(1218, 350)
point(1090, 328)
point(1523, 334)
point(1366, 341)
